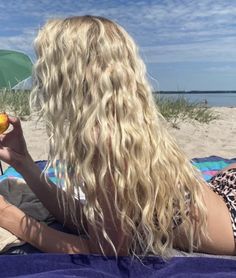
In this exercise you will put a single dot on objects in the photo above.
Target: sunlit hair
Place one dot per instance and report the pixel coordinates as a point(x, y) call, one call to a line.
point(91, 87)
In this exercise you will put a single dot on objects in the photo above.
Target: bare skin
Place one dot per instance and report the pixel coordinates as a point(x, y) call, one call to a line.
point(219, 226)
point(13, 151)
point(219, 223)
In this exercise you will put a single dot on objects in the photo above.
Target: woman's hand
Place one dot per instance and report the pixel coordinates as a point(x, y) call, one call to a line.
point(13, 147)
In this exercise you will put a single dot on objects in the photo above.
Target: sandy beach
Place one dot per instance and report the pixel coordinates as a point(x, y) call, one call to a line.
point(215, 138)
point(197, 140)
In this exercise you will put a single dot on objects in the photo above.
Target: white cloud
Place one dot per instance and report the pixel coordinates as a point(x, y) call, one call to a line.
point(227, 69)
point(209, 51)
point(167, 31)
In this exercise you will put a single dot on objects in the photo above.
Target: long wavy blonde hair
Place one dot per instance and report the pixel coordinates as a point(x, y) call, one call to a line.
point(91, 87)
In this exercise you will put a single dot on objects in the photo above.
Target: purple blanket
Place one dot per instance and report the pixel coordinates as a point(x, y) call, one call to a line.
point(54, 265)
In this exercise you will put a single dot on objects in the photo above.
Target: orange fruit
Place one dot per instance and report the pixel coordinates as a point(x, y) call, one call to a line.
point(4, 122)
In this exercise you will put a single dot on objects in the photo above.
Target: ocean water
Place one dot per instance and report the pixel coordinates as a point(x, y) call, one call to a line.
point(212, 99)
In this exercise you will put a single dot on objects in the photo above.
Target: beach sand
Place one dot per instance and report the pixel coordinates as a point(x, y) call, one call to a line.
point(216, 138)
point(196, 139)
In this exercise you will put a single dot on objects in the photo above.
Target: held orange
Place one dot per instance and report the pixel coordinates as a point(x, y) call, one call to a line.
point(4, 122)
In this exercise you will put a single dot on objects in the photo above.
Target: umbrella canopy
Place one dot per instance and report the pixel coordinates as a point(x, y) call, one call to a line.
point(14, 67)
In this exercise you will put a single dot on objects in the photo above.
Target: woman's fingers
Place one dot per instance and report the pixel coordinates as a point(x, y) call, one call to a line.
point(15, 122)
point(5, 155)
point(2, 136)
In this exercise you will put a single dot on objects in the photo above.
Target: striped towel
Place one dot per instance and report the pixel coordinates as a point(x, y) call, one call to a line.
point(208, 166)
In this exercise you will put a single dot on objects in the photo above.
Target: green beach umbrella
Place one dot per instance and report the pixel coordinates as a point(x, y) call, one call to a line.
point(14, 67)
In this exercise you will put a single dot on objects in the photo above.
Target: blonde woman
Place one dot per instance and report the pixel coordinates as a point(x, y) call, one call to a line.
point(142, 194)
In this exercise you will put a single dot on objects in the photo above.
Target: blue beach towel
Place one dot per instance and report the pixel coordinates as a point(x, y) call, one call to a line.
point(64, 265)
point(208, 166)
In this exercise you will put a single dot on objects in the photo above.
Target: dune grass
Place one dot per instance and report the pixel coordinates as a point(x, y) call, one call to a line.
point(174, 110)
point(181, 109)
point(17, 102)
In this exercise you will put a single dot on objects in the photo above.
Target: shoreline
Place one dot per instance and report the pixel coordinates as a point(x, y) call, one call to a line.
point(211, 99)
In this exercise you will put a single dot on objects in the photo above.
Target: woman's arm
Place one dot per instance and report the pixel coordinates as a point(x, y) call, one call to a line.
point(48, 193)
point(39, 234)
point(13, 151)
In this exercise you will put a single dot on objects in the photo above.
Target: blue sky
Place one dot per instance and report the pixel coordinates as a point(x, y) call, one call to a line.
point(186, 44)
